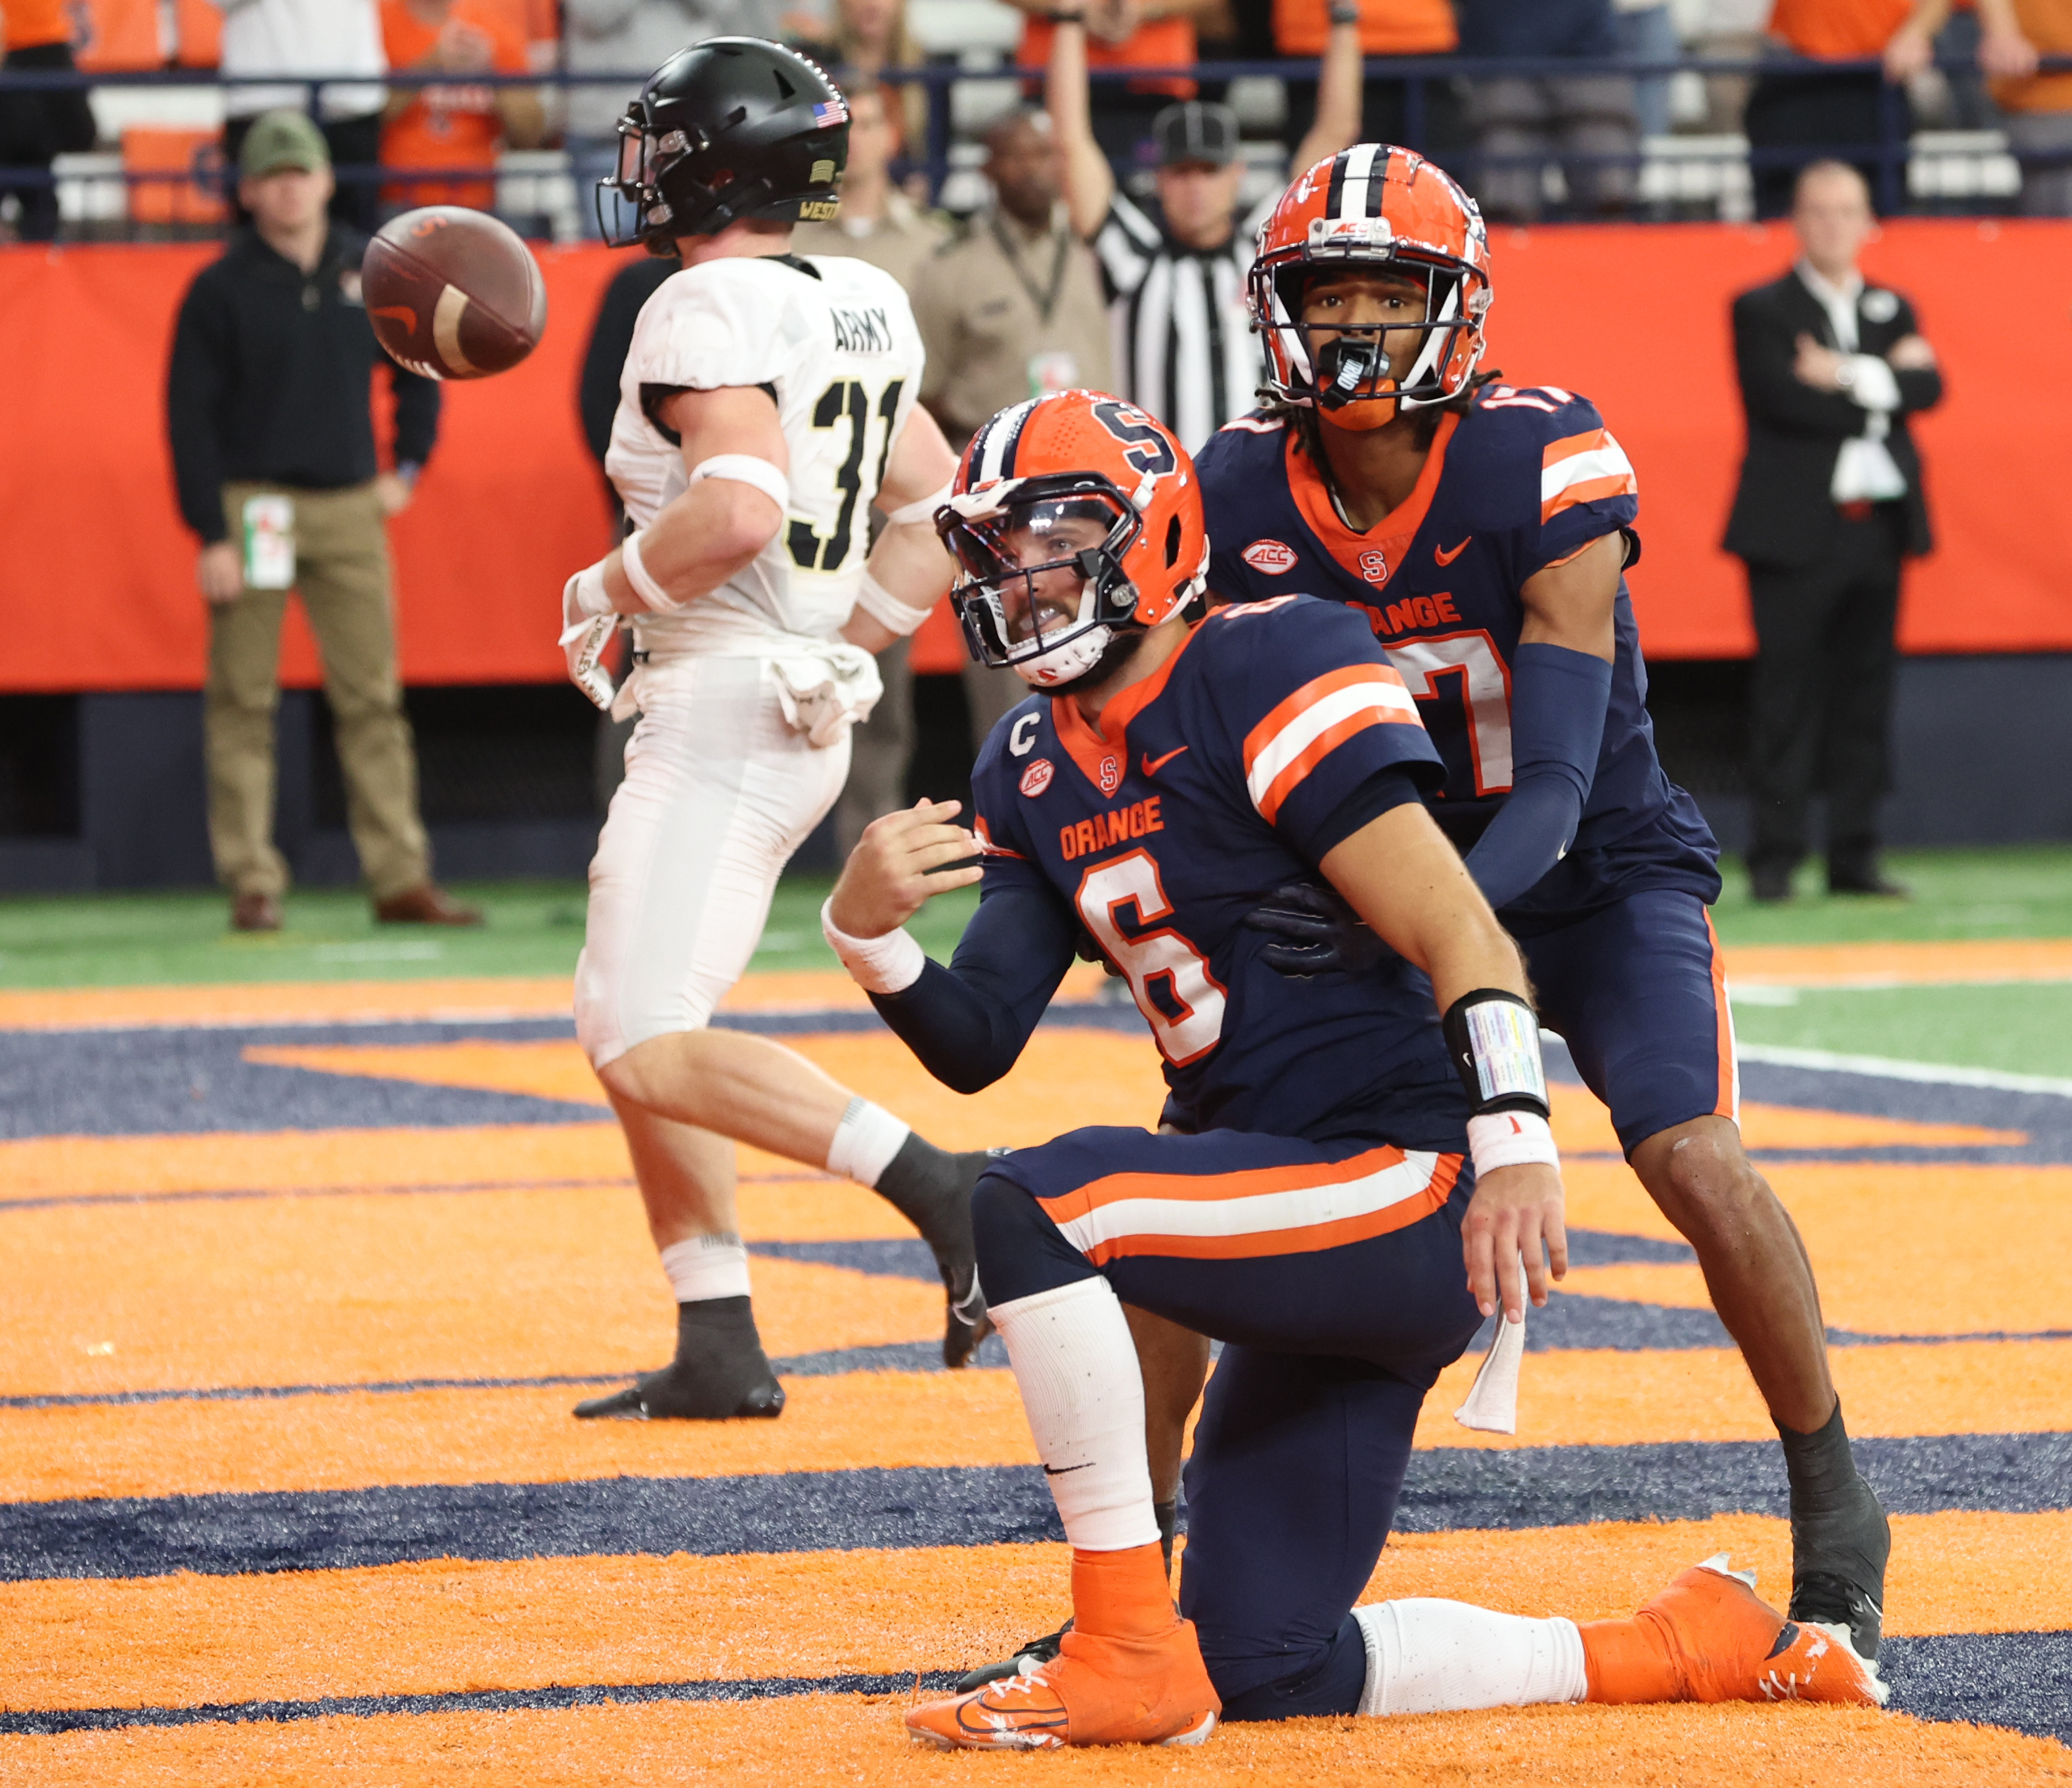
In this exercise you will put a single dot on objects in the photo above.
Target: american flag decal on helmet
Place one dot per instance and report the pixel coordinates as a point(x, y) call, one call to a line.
point(829, 113)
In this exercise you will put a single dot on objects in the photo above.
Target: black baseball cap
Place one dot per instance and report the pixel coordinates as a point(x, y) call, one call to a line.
point(1196, 130)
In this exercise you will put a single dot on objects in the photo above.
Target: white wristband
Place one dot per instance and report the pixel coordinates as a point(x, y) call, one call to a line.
point(879, 602)
point(890, 964)
point(925, 509)
point(1510, 1138)
point(745, 468)
point(643, 580)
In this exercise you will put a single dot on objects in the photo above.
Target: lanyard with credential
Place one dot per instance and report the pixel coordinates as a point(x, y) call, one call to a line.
point(1048, 302)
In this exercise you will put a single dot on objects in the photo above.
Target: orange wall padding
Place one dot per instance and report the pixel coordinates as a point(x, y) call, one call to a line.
point(1633, 316)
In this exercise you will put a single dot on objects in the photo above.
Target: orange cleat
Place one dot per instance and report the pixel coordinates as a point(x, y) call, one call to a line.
point(1708, 1637)
point(1098, 1690)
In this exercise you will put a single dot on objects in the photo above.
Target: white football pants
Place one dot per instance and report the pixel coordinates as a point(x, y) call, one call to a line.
point(719, 792)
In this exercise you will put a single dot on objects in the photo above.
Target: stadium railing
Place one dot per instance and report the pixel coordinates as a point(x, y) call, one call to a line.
point(167, 182)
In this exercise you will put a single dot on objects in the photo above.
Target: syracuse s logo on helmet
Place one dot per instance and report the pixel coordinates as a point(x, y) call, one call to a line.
point(1273, 557)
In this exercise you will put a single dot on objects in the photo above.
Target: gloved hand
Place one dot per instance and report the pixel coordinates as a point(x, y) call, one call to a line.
point(587, 626)
point(1315, 932)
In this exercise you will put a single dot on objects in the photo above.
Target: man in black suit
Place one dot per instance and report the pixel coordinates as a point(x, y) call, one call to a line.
point(1830, 503)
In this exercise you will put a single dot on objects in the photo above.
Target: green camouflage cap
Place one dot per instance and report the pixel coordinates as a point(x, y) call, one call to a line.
point(282, 139)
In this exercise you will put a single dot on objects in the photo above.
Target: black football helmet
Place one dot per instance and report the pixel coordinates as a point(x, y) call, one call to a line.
point(729, 127)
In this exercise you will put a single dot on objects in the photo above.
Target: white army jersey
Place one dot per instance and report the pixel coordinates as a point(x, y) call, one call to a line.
point(842, 356)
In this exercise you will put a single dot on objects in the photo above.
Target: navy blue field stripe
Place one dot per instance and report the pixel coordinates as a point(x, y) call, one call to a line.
point(551, 1699)
point(1446, 1489)
point(2021, 1680)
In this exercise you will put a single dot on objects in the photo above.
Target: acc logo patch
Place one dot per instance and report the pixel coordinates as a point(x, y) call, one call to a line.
point(1374, 566)
point(1037, 777)
point(1273, 557)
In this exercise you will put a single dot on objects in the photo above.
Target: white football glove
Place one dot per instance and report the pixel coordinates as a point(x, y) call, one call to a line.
point(587, 626)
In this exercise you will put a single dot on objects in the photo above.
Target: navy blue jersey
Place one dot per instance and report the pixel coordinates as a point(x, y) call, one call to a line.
point(1275, 732)
point(1525, 479)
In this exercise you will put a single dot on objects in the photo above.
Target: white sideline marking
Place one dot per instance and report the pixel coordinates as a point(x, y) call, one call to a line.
point(1887, 1067)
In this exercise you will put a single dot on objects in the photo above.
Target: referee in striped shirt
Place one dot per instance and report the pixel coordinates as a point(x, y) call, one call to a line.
point(1175, 274)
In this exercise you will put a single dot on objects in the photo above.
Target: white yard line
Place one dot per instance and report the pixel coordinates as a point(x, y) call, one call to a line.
point(1887, 1067)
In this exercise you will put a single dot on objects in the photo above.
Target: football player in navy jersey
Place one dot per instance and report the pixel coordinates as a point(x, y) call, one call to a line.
point(1480, 531)
point(1308, 1197)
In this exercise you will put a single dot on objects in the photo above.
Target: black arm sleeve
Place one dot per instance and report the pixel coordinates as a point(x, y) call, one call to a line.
point(195, 383)
point(417, 415)
point(967, 1023)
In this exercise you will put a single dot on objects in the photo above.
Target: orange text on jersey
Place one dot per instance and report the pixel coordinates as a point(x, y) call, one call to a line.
point(1088, 835)
point(1413, 611)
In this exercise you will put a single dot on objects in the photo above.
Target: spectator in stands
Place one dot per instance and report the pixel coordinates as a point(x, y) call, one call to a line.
point(1800, 112)
point(1122, 34)
point(1584, 120)
point(879, 224)
point(621, 38)
point(868, 37)
point(1011, 308)
point(1830, 503)
point(272, 447)
point(1176, 273)
point(36, 128)
point(461, 126)
point(1647, 33)
point(2038, 107)
point(1388, 28)
point(312, 37)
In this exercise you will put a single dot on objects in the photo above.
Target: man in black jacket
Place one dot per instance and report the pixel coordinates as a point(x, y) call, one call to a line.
point(1830, 502)
point(272, 447)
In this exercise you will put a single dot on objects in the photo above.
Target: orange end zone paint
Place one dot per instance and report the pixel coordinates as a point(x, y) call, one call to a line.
point(188, 1640)
point(848, 1739)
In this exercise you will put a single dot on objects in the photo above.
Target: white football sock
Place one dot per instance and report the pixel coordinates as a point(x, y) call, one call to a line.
point(706, 1267)
point(1425, 1656)
point(866, 1140)
point(1083, 1391)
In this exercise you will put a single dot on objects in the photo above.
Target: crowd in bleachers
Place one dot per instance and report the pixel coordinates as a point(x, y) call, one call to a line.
point(1589, 107)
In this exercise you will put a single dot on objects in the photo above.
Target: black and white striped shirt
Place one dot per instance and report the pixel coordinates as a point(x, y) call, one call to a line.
point(1184, 349)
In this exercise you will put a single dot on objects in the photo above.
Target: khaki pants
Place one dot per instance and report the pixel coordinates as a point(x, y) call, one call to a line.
point(342, 572)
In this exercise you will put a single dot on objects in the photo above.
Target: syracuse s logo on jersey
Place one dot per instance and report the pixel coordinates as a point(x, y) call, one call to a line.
point(1273, 557)
point(1037, 777)
point(1374, 566)
point(1111, 775)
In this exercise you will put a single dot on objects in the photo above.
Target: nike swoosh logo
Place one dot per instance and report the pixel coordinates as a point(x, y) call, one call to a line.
point(1060, 1471)
point(1445, 558)
point(1153, 765)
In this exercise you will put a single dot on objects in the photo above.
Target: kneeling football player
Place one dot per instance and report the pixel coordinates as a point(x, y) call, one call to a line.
point(1330, 1152)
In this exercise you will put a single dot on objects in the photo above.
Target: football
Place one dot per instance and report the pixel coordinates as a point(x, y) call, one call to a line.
point(453, 294)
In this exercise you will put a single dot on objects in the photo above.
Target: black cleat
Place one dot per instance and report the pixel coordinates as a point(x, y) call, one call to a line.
point(932, 1189)
point(1838, 1570)
point(1028, 1656)
point(720, 1374)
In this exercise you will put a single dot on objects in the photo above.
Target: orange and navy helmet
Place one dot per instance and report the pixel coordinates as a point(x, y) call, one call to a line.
point(1074, 518)
point(1376, 207)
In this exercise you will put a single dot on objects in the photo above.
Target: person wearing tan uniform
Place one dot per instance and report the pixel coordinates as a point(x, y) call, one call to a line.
point(2038, 106)
point(1011, 309)
point(272, 447)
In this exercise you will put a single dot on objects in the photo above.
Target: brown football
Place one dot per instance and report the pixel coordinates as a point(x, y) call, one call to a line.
point(453, 294)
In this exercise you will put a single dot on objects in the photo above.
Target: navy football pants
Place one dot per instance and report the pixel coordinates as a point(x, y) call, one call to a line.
point(1333, 1273)
point(1638, 993)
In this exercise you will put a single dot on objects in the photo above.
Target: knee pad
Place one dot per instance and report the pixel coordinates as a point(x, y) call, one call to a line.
point(1021, 1251)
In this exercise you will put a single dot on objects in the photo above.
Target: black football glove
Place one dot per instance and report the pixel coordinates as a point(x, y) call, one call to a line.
point(1315, 932)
